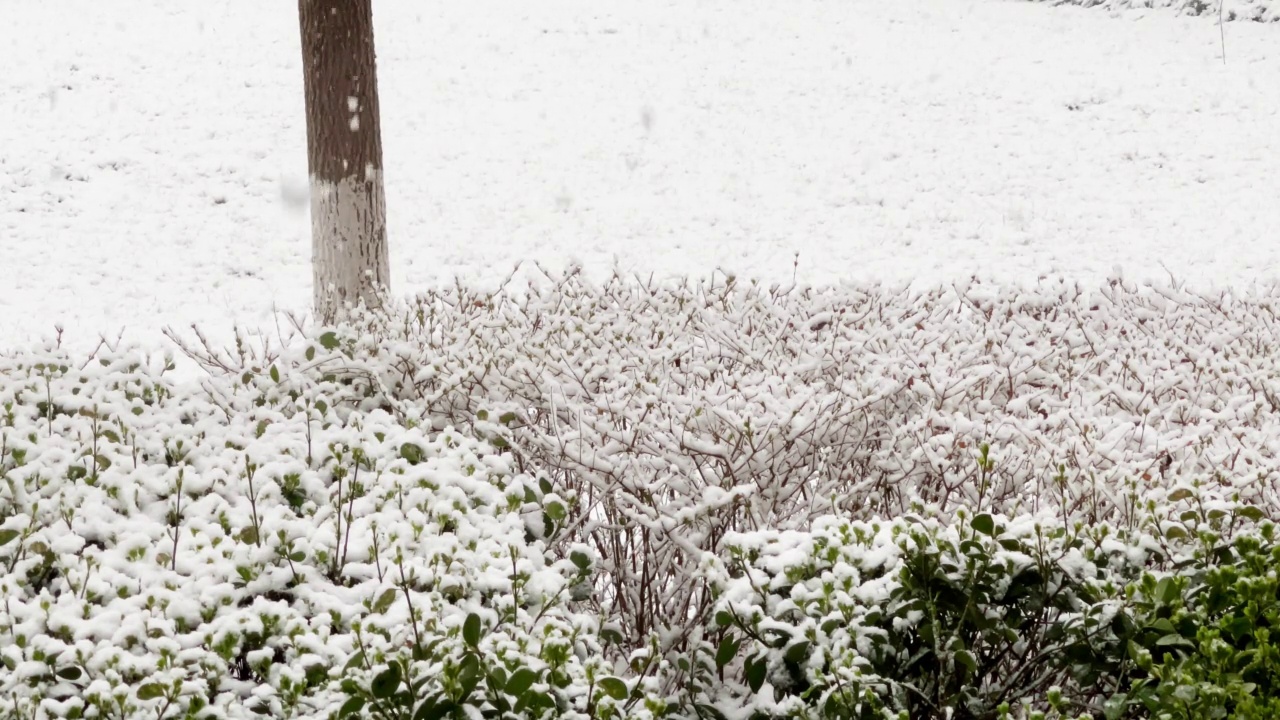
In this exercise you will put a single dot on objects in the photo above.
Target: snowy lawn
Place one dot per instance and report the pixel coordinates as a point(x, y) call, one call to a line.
point(154, 165)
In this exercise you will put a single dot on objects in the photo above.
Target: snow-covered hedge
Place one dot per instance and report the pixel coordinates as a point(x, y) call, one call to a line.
point(1255, 10)
point(576, 499)
point(675, 412)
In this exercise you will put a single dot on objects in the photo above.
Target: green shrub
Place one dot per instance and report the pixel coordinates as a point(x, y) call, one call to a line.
point(988, 617)
point(1198, 643)
point(909, 618)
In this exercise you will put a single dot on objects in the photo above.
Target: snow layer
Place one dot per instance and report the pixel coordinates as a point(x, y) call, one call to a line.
point(154, 169)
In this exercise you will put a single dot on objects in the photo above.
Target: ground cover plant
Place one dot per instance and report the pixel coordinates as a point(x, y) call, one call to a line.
point(640, 499)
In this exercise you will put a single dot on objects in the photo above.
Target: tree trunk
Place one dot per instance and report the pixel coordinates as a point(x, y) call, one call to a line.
point(350, 260)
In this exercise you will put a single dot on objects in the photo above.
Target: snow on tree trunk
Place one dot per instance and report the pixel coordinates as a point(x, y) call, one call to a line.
point(350, 259)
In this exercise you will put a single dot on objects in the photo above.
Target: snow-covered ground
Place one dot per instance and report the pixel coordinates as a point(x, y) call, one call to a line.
point(153, 172)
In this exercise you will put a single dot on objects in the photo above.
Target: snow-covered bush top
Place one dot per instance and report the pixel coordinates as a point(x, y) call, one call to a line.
point(685, 410)
point(177, 550)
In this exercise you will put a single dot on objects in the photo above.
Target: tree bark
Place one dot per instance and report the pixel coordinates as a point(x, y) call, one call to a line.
point(350, 259)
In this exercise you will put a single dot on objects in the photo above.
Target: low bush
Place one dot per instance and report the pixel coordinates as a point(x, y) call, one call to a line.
point(245, 548)
point(987, 617)
point(673, 413)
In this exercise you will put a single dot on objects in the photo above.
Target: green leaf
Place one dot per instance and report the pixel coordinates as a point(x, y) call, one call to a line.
point(1114, 707)
point(580, 559)
point(556, 510)
point(613, 687)
point(431, 711)
point(275, 374)
point(520, 681)
point(412, 453)
point(427, 707)
point(780, 637)
point(468, 676)
point(329, 341)
point(1167, 590)
point(797, 652)
point(727, 651)
point(984, 523)
point(1249, 511)
point(384, 601)
point(150, 691)
point(69, 673)
point(1238, 627)
point(1180, 494)
point(965, 658)
point(755, 672)
point(471, 630)
point(536, 701)
point(352, 706)
point(498, 678)
point(1173, 639)
point(355, 661)
point(724, 618)
point(386, 683)
point(1175, 532)
point(415, 688)
point(8, 536)
point(709, 711)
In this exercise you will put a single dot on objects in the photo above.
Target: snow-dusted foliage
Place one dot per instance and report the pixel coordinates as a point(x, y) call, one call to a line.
point(1256, 10)
point(632, 500)
point(242, 548)
point(984, 615)
point(672, 413)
